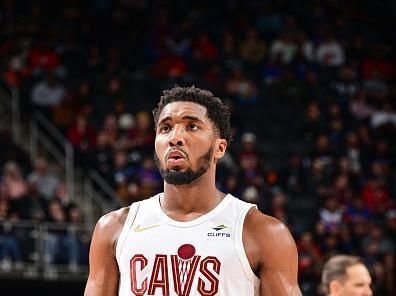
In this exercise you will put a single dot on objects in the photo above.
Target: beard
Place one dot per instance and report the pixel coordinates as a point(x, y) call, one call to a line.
point(178, 177)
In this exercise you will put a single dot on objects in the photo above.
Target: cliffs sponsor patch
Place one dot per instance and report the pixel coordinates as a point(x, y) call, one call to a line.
point(220, 231)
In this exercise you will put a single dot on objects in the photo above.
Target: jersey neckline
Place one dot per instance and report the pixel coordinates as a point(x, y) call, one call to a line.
point(164, 217)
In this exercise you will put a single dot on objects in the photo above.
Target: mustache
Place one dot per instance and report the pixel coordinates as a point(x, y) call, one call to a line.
point(185, 155)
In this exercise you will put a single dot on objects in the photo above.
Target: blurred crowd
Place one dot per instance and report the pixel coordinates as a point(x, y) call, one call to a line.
point(311, 87)
point(30, 196)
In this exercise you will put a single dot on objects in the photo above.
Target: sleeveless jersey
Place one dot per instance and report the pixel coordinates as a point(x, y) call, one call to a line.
point(160, 256)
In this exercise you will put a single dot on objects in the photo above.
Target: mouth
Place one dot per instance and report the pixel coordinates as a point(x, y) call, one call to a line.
point(175, 157)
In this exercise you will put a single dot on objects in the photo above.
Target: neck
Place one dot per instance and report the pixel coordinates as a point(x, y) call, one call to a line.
point(188, 202)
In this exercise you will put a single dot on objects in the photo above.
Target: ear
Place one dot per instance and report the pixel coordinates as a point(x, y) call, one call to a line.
point(220, 148)
point(335, 288)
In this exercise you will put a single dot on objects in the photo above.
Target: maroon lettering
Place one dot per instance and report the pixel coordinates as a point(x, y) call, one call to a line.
point(159, 277)
point(183, 274)
point(136, 260)
point(211, 274)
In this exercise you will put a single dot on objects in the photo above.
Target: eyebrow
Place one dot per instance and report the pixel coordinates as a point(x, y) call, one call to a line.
point(188, 117)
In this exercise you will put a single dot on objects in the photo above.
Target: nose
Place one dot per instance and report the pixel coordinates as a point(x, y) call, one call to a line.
point(176, 138)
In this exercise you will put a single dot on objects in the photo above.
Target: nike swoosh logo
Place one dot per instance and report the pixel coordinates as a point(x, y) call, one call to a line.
point(140, 229)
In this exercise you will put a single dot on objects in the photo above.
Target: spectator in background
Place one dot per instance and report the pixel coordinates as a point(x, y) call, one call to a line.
point(15, 189)
point(347, 276)
point(390, 220)
point(347, 244)
point(141, 135)
point(283, 47)
point(178, 43)
point(101, 157)
point(42, 180)
point(377, 63)
point(251, 194)
point(346, 85)
point(336, 125)
point(331, 215)
point(272, 71)
point(240, 87)
point(83, 138)
point(354, 152)
point(170, 65)
point(313, 122)
point(295, 175)
point(204, 49)
point(309, 260)
point(360, 108)
point(84, 97)
point(121, 175)
point(269, 21)
point(385, 115)
point(43, 58)
point(342, 189)
point(62, 195)
point(149, 178)
point(79, 238)
point(305, 47)
point(10, 250)
point(356, 212)
point(59, 246)
point(279, 207)
point(213, 78)
point(249, 159)
point(232, 185)
point(229, 50)
point(376, 195)
point(330, 52)
point(110, 127)
point(318, 181)
point(383, 243)
point(17, 65)
point(253, 50)
point(47, 93)
point(63, 113)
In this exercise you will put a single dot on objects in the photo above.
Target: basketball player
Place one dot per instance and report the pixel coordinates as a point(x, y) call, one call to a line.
point(191, 239)
point(344, 275)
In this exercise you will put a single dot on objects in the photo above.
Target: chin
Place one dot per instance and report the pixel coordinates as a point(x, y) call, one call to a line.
point(177, 168)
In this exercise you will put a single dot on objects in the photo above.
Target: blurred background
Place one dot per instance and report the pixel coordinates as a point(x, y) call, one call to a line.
point(311, 86)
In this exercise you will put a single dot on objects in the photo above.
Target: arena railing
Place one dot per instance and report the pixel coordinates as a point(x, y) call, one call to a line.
point(44, 250)
point(98, 196)
point(42, 131)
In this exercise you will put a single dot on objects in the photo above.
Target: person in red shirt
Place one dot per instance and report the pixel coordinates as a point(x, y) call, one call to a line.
point(82, 136)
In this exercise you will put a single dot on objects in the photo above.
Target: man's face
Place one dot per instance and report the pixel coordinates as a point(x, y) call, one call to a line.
point(184, 144)
point(357, 282)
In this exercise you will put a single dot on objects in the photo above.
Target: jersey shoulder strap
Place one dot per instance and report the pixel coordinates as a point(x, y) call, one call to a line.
point(132, 213)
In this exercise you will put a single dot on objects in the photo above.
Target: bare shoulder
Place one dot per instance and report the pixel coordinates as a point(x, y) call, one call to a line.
point(110, 225)
point(272, 254)
point(114, 218)
point(103, 270)
point(256, 221)
point(266, 238)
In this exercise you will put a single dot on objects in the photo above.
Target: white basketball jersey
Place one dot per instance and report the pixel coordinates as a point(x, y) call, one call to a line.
point(160, 256)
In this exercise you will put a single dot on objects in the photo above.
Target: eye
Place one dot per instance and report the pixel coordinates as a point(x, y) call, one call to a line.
point(164, 128)
point(192, 127)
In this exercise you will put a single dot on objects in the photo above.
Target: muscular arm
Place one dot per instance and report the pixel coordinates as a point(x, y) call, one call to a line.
point(103, 269)
point(272, 254)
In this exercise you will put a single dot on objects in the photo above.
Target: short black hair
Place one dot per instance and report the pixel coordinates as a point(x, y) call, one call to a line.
point(216, 110)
